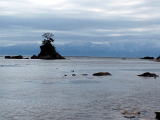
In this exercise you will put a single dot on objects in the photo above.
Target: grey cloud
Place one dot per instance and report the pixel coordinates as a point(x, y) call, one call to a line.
point(115, 26)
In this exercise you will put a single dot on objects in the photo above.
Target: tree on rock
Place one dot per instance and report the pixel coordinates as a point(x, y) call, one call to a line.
point(48, 38)
point(48, 51)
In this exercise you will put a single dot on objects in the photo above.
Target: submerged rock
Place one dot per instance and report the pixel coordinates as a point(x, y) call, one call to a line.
point(84, 74)
point(14, 57)
point(148, 74)
point(131, 113)
point(102, 74)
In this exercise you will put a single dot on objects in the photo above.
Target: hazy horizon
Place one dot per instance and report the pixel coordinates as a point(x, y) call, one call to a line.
point(103, 28)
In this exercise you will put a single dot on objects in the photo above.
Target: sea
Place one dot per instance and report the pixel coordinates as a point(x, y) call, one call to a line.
point(32, 89)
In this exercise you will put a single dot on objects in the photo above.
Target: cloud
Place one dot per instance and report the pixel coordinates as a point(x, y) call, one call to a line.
point(102, 9)
point(122, 25)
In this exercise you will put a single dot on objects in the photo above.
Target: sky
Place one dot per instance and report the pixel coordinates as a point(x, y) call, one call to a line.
point(111, 28)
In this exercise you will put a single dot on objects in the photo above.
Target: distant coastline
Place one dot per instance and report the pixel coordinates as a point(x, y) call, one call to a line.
point(87, 57)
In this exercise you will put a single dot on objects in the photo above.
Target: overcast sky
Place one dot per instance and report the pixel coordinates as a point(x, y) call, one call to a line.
point(122, 28)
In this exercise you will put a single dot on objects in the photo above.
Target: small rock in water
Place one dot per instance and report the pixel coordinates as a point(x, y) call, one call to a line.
point(84, 74)
point(157, 115)
point(73, 74)
point(65, 75)
point(101, 74)
point(148, 74)
point(34, 57)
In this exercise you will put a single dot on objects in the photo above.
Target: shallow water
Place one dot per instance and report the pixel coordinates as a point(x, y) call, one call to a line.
point(38, 89)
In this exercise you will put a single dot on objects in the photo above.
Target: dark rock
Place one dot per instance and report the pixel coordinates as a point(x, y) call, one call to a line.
point(14, 57)
point(84, 74)
point(7, 57)
point(148, 74)
point(34, 57)
point(73, 74)
point(101, 74)
point(158, 57)
point(157, 115)
point(48, 51)
point(65, 75)
point(147, 57)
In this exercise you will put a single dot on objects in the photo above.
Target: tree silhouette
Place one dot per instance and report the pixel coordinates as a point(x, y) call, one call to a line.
point(48, 38)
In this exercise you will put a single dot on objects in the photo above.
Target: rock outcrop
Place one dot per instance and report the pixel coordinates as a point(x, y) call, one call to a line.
point(14, 57)
point(148, 58)
point(47, 51)
point(148, 74)
point(102, 74)
point(157, 115)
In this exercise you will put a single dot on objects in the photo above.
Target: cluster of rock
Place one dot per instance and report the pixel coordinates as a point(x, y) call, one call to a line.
point(94, 74)
point(157, 59)
point(16, 57)
point(146, 74)
point(148, 58)
point(47, 51)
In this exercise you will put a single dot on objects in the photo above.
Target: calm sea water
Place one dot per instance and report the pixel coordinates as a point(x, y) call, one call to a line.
point(38, 89)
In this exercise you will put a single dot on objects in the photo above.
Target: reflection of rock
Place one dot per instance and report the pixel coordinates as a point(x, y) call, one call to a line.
point(157, 115)
point(101, 74)
point(147, 57)
point(48, 51)
point(14, 57)
point(148, 74)
point(131, 113)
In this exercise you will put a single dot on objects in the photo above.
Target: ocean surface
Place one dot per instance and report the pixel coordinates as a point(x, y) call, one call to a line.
point(46, 89)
